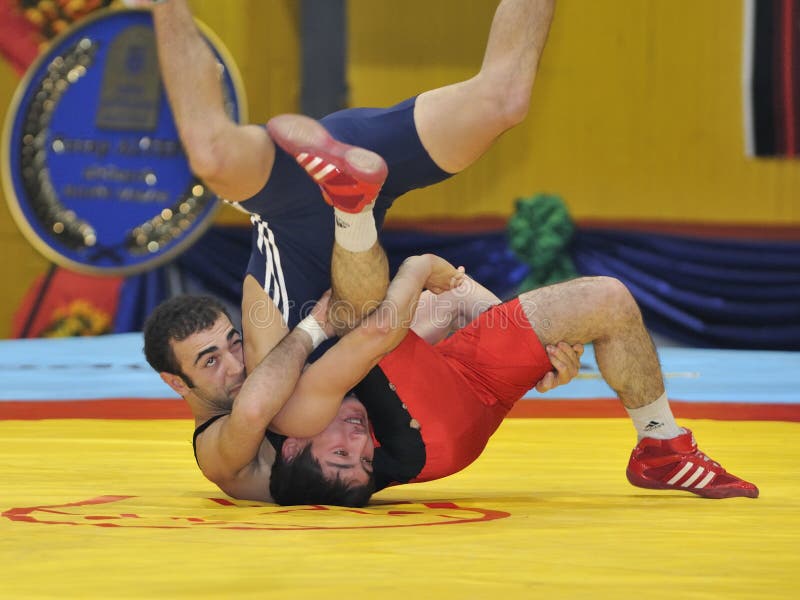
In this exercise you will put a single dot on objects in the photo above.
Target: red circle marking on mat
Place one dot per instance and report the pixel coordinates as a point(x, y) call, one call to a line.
point(266, 517)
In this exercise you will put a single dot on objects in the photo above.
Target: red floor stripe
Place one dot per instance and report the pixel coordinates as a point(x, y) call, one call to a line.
point(138, 408)
point(610, 407)
point(118, 408)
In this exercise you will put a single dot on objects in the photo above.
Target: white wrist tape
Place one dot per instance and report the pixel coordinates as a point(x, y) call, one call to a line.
point(312, 327)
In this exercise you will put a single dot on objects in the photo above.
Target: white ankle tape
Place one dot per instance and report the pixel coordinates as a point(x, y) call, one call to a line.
point(312, 327)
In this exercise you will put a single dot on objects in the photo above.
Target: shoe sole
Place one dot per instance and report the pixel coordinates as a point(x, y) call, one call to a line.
point(713, 493)
point(298, 134)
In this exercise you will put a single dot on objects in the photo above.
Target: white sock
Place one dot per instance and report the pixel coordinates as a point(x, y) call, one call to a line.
point(655, 420)
point(355, 232)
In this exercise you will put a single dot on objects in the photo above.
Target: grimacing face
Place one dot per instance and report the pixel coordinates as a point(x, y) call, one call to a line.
point(345, 448)
point(213, 361)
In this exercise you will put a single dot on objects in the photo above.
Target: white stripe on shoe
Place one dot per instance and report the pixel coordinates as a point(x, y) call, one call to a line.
point(313, 164)
point(681, 473)
point(695, 476)
point(323, 172)
point(706, 480)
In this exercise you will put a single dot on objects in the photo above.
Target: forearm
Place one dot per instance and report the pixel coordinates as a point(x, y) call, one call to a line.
point(398, 308)
point(272, 382)
point(319, 393)
point(322, 387)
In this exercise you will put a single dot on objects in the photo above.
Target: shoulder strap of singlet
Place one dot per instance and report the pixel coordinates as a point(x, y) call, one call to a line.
point(200, 429)
point(275, 439)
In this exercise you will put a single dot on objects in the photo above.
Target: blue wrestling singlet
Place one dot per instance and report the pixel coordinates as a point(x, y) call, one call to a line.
point(293, 226)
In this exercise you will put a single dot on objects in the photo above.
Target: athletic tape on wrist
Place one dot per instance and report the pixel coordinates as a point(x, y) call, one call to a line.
point(312, 327)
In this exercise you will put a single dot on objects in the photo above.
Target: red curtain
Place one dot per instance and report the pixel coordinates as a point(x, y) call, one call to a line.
point(19, 37)
point(60, 303)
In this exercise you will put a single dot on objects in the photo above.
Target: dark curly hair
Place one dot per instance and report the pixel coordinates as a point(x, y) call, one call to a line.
point(177, 319)
point(301, 481)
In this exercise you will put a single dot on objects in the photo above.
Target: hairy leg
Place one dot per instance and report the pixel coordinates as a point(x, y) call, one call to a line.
point(459, 122)
point(359, 281)
point(600, 310)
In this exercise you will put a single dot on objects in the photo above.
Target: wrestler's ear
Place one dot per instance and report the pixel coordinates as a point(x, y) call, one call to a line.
point(292, 446)
point(176, 382)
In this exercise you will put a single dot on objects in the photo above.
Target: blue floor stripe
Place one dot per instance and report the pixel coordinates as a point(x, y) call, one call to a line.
point(114, 367)
point(703, 375)
point(111, 366)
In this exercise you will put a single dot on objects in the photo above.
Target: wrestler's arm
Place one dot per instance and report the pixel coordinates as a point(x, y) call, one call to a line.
point(231, 453)
point(263, 329)
point(269, 395)
point(234, 160)
point(328, 380)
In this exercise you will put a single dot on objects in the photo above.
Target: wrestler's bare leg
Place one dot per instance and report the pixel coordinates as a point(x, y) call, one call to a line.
point(602, 311)
point(459, 122)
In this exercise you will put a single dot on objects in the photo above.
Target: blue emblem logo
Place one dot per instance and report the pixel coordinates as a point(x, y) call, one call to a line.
point(92, 165)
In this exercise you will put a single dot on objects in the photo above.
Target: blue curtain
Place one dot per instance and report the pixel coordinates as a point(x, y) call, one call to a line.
point(216, 265)
point(703, 292)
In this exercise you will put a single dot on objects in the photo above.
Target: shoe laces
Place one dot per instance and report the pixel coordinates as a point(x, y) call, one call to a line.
point(699, 454)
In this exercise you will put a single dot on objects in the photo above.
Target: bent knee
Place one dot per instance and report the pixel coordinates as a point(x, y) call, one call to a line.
point(515, 108)
point(508, 111)
point(509, 98)
point(204, 162)
point(614, 295)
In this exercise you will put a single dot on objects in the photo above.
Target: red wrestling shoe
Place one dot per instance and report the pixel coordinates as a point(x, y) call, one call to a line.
point(350, 177)
point(677, 464)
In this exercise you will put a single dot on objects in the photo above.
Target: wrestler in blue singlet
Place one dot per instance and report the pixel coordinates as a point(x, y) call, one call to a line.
point(293, 226)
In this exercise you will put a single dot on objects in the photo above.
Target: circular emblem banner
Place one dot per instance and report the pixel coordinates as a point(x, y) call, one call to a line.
point(93, 169)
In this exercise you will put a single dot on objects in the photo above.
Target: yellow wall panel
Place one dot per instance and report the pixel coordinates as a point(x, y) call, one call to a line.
point(636, 113)
point(262, 37)
point(20, 263)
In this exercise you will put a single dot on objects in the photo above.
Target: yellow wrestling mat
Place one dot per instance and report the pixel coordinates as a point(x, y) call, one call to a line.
point(118, 509)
